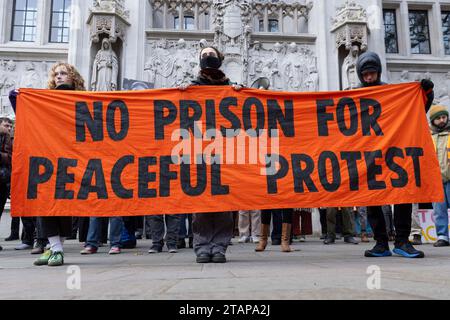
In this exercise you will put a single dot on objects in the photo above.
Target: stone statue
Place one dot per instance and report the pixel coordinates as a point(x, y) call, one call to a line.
point(404, 76)
point(181, 64)
point(293, 68)
point(277, 80)
point(8, 79)
point(312, 81)
point(31, 78)
point(447, 83)
point(106, 69)
point(164, 63)
point(256, 61)
point(349, 74)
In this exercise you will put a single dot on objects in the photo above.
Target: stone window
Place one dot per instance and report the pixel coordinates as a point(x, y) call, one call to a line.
point(189, 23)
point(24, 20)
point(390, 31)
point(59, 21)
point(446, 30)
point(273, 25)
point(419, 32)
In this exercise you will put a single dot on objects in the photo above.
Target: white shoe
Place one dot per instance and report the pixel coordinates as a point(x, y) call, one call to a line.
point(243, 239)
point(23, 246)
point(255, 239)
point(302, 238)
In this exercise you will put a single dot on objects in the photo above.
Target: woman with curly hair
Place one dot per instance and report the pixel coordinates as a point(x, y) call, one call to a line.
point(62, 76)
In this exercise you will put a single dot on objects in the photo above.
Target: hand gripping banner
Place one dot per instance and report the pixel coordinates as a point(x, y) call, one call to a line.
point(210, 149)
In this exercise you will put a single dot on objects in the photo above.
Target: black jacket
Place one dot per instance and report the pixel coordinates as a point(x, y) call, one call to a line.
point(371, 59)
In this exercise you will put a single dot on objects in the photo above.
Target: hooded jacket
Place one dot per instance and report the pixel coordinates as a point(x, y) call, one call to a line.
point(440, 139)
point(371, 60)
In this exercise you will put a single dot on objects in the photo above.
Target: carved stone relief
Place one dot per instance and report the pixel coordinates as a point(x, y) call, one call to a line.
point(20, 74)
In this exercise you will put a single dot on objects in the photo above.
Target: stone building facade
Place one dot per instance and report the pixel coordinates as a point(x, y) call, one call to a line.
point(305, 45)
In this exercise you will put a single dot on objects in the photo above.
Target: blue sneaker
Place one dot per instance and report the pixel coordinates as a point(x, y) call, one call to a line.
point(379, 250)
point(408, 251)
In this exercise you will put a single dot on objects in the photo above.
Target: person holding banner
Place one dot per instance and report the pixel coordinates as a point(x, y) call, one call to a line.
point(6, 126)
point(62, 76)
point(212, 231)
point(440, 132)
point(369, 72)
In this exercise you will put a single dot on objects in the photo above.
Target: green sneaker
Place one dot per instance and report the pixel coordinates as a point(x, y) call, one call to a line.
point(43, 259)
point(56, 259)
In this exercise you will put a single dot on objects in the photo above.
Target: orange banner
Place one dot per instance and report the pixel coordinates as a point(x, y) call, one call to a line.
point(211, 149)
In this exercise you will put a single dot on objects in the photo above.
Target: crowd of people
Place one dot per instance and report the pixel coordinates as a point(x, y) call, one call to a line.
point(210, 234)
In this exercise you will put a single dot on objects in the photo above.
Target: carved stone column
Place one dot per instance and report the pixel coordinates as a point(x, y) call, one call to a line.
point(232, 21)
point(108, 17)
point(350, 26)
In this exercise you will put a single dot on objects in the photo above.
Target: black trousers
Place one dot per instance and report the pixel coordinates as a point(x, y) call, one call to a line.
point(29, 227)
point(402, 223)
point(4, 193)
point(56, 226)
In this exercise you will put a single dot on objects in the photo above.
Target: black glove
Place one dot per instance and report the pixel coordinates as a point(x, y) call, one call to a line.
point(427, 85)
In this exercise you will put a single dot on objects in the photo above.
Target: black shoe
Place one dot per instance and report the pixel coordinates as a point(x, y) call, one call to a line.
point(1, 248)
point(417, 240)
point(350, 239)
point(203, 258)
point(129, 244)
point(407, 250)
point(12, 237)
point(219, 258)
point(138, 236)
point(191, 242)
point(441, 243)
point(276, 242)
point(181, 244)
point(381, 249)
point(155, 249)
point(328, 240)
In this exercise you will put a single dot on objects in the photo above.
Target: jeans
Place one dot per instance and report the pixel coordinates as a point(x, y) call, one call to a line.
point(172, 223)
point(95, 231)
point(440, 214)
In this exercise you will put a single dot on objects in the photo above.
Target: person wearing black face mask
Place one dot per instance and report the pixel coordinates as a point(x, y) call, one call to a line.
point(212, 231)
point(210, 60)
point(369, 71)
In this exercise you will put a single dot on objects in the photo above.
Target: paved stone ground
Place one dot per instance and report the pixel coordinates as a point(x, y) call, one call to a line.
point(314, 271)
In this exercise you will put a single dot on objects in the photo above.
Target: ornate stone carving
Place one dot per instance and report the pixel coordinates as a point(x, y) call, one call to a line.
point(350, 25)
point(172, 63)
point(19, 74)
point(232, 20)
point(108, 17)
point(111, 6)
point(289, 67)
